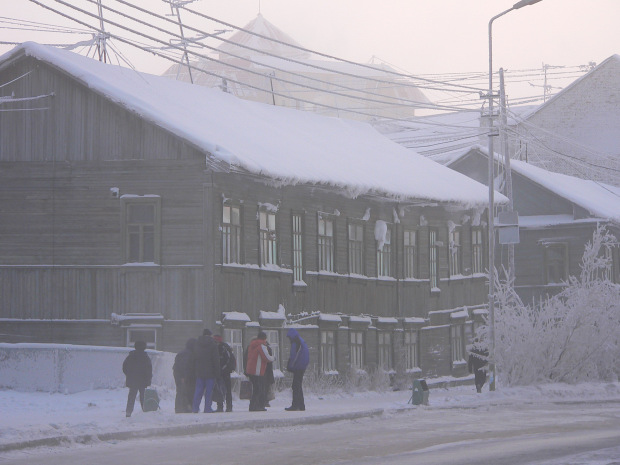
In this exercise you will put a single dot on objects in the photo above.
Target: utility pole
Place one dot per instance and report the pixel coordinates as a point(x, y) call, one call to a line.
point(507, 170)
point(101, 36)
point(174, 7)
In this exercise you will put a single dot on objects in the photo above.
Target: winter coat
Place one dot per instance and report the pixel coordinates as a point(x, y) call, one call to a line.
point(228, 362)
point(258, 357)
point(183, 367)
point(300, 355)
point(207, 358)
point(478, 358)
point(138, 369)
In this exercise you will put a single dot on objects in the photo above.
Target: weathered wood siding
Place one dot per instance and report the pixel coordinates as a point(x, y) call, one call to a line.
point(249, 288)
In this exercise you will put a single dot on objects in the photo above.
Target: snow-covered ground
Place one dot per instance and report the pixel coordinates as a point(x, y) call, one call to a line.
point(31, 416)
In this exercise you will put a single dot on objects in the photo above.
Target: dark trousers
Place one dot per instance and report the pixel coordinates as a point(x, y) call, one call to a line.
point(131, 398)
point(298, 393)
point(227, 393)
point(259, 397)
point(480, 377)
point(184, 396)
point(204, 386)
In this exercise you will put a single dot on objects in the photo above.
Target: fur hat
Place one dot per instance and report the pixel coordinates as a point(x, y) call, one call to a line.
point(140, 345)
point(206, 332)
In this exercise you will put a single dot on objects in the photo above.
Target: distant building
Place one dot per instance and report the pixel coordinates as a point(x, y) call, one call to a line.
point(558, 215)
point(255, 64)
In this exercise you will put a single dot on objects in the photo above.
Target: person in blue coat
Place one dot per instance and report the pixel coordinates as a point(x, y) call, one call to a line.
point(297, 364)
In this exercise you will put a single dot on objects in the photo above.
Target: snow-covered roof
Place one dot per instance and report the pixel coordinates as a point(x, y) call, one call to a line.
point(286, 145)
point(601, 200)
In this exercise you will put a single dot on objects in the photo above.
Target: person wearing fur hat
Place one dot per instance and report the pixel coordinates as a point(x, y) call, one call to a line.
point(257, 359)
point(138, 372)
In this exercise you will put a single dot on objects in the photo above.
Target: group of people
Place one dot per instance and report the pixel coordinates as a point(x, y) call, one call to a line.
point(204, 367)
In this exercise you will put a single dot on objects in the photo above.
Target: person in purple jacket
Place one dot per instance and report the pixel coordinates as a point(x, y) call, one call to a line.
point(297, 363)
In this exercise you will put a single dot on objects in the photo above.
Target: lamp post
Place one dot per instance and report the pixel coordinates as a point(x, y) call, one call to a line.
point(491, 179)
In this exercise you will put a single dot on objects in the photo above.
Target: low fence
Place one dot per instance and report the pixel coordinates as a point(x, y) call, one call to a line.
point(73, 368)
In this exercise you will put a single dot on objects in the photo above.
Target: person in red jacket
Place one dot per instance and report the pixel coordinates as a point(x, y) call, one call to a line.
point(257, 360)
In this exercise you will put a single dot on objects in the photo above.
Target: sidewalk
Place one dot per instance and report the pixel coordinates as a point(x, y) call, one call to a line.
point(32, 419)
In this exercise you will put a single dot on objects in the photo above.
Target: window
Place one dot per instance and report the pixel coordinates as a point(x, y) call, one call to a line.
point(612, 255)
point(411, 350)
point(384, 255)
point(142, 333)
point(268, 246)
point(356, 249)
point(231, 234)
point(432, 258)
point(455, 252)
point(385, 350)
point(141, 225)
point(357, 349)
point(274, 342)
point(456, 340)
point(326, 244)
point(556, 260)
point(477, 260)
point(298, 250)
point(409, 253)
point(328, 351)
point(234, 338)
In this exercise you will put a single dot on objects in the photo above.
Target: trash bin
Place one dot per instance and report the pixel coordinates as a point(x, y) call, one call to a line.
point(419, 392)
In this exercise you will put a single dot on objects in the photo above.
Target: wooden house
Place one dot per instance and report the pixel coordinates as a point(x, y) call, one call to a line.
point(558, 215)
point(137, 207)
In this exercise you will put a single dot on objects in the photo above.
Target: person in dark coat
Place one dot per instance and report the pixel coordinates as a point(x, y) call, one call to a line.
point(138, 372)
point(184, 378)
point(228, 365)
point(297, 363)
point(207, 370)
point(478, 359)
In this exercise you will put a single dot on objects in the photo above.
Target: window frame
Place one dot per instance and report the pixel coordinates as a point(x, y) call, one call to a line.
point(385, 350)
point(231, 232)
point(326, 246)
point(549, 262)
point(355, 248)
point(327, 348)
point(297, 244)
point(433, 258)
point(267, 237)
point(457, 347)
point(412, 349)
point(455, 250)
point(410, 254)
point(356, 349)
point(127, 202)
point(135, 329)
point(385, 256)
point(477, 250)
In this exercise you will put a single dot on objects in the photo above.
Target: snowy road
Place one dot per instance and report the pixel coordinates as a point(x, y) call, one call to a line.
point(541, 433)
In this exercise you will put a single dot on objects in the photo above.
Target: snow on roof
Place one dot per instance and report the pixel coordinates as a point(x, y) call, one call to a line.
point(329, 317)
point(236, 316)
point(286, 145)
point(601, 200)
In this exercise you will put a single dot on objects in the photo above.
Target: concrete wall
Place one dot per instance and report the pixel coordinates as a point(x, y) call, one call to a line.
point(71, 368)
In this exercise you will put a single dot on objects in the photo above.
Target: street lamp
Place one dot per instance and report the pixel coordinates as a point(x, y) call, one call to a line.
point(491, 179)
